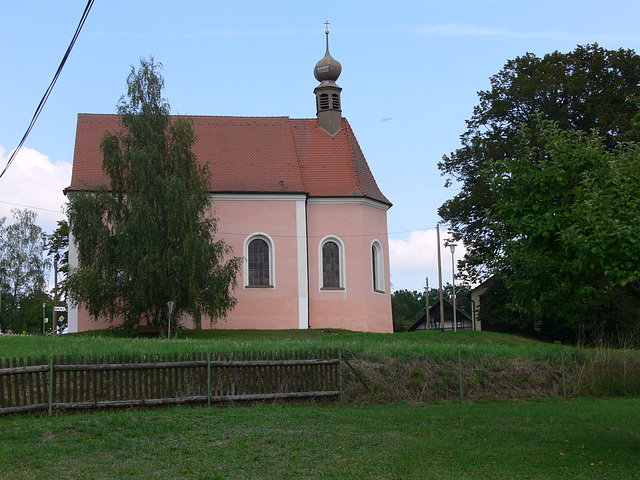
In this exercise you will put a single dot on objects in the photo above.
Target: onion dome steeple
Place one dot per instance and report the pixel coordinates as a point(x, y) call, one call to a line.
point(328, 69)
point(328, 108)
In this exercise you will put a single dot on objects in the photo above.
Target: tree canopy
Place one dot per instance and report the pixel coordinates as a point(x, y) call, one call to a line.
point(567, 217)
point(58, 252)
point(588, 88)
point(542, 203)
point(22, 262)
point(23, 269)
point(149, 236)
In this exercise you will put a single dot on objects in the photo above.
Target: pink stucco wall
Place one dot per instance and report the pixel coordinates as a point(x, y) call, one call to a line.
point(262, 308)
point(296, 299)
point(357, 307)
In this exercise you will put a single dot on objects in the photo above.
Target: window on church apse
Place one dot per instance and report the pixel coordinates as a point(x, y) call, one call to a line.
point(377, 267)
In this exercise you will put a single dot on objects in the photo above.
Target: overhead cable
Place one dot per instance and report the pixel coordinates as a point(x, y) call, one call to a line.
point(85, 14)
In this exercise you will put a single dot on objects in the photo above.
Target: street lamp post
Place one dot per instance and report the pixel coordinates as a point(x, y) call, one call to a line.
point(452, 246)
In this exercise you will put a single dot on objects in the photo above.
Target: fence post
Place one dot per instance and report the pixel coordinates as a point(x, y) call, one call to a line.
point(50, 384)
point(340, 372)
point(209, 379)
point(460, 371)
point(564, 383)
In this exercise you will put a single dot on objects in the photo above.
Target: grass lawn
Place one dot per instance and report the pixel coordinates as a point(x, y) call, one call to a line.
point(582, 439)
point(392, 344)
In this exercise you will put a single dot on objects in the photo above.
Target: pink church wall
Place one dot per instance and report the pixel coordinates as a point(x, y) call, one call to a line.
point(357, 307)
point(85, 322)
point(356, 224)
point(262, 308)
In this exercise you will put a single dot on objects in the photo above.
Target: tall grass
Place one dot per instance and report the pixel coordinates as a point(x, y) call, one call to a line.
point(422, 344)
point(412, 367)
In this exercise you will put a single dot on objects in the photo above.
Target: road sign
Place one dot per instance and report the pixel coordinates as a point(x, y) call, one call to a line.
point(59, 309)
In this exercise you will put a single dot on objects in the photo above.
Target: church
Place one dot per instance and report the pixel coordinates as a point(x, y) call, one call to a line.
point(295, 198)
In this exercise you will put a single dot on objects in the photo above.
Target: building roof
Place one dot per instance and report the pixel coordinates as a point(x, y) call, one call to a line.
point(434, 310)
point(250, 155)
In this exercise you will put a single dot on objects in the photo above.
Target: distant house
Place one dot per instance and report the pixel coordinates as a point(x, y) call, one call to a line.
point(296, 199)
point(463, 319)
point(476, 299)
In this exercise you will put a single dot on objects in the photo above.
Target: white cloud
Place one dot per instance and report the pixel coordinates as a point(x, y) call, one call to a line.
point(33, 181)
point(416, 258)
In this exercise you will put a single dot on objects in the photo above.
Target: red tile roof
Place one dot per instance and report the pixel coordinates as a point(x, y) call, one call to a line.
point(250, 154)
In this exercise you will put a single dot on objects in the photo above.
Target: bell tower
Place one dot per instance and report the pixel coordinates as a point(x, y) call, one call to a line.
point(328, 105)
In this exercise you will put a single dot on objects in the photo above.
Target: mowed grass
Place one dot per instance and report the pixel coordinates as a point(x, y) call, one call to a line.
point(578, 439)
point(390, 345)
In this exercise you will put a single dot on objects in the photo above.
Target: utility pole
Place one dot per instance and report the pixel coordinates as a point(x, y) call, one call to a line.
point(426, 294)
point(440, 280)
point(55, 294)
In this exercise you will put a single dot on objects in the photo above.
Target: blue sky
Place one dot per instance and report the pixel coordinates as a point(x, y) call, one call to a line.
point(411, 70)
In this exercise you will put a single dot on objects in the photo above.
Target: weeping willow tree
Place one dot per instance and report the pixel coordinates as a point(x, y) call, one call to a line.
point(149, 236)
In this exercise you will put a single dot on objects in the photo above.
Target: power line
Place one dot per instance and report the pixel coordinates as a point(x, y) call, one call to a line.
point(85, 14)
point(32, 207)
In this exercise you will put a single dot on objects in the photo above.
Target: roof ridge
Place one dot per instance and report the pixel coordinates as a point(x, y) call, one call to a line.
point(349, 133)
point(283, 117)
point(368, 175)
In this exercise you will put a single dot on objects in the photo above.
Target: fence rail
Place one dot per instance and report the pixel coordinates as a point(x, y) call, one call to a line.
point(202, 377)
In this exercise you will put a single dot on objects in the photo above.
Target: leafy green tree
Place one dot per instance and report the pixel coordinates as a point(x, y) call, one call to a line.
point(23, 266)
point(148, 238)
point(58, 252)
point(22, 263)
point(406, 308)
point(28, 317)
point(496, 315)
point(567, 216)
point(588, 88)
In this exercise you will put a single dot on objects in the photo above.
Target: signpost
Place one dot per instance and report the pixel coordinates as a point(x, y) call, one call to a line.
point(56, 308)
point(170, 311)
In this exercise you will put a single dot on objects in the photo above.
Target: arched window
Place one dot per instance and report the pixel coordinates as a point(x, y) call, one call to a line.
point(332, 264)
point(377, 267)
point(258, 270)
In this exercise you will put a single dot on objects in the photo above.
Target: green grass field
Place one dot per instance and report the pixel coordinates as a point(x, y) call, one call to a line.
point(578, 439)
point(397, 344)
point(582, 438)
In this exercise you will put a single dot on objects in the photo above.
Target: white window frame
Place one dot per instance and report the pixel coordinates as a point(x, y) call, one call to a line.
point(341, 258)
point(376, 247)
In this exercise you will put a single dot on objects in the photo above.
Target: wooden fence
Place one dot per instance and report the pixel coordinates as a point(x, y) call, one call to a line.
point(145, 380)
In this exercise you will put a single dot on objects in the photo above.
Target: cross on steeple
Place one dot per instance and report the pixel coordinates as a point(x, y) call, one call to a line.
point(326, 24)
